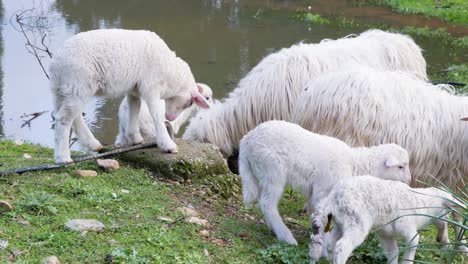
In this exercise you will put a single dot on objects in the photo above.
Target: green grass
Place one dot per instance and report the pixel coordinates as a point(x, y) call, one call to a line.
point(133, 232)
point(455, 11)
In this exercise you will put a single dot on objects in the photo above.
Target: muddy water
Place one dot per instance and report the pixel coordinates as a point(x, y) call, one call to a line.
point(221, 40)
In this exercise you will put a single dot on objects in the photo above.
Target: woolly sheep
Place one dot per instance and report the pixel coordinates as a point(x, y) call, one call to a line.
point(366, 107)
point(277, 153)
point(145, 122)
point(270, 89)
point(114, 62)
point(393, 208)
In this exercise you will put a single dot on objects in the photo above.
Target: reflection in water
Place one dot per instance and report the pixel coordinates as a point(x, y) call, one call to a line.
point(220, 39)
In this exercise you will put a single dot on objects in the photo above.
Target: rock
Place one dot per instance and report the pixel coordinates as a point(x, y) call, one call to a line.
point(114, 195)
point(165, 219)
point(108, 164)
point(198, 221)
point(26, 156)
point(51, 260)
point(84, 225)
point(112, 242)
point(5, 206)
point(206, 253)
point(204, 233)
point(24, 223)
point(194, 159)
point(188, 211)
point(125, 191)
point(3, 244)
point(85, 173)
point(218, 242)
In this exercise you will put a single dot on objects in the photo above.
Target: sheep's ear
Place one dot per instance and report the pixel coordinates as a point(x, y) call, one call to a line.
point(391, 162)
point(200, 88)
point(464, 118)
point(200, 100)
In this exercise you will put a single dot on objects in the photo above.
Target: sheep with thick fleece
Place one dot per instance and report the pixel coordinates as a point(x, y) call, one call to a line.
point(365, 107)
point(115, 62)
point(277, 153)
point(270, 89)
point(145, 122)
point(393, 208)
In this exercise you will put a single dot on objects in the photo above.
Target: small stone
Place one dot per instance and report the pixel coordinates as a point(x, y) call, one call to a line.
point(204, 233)
point(18, 142)
point(24, 223)
point(125, 191)
point(198, 221)
point(5, 206)
point(165, 219)
point(108, 164)
point(112, 242)
point(26, 156)
point(201, 193)
point(3, 244)
point(85, 173)
point(84, 225)
point(206, 253)
point(188, 211)
point(291, 220)
point(51, 260)
point(114, 195)
point(218, 242)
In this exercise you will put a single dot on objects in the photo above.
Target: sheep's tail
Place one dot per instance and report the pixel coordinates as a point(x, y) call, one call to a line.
point(318, 230)
point(250, 188)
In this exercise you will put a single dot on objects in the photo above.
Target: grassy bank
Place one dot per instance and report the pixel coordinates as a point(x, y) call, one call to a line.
point(455, 11)
point(142, 223)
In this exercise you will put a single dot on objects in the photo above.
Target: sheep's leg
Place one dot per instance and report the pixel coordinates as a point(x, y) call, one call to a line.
point(269, 198)
point(182, 118)
point(84, 134)
point(459, 233)
point(442, 232)
point(163, 139)
point(64, 117)
point(133, 131)
point(412, 241)
point(352, 237)
point(390, 248)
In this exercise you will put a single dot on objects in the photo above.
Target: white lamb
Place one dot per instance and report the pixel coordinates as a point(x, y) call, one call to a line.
point(366, 107)
point(115, 62)
point(145, 121)
point(277, 153)
point(393, 208)
point(270, 89)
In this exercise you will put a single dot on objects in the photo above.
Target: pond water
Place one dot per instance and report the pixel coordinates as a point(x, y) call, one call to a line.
point(220, 39)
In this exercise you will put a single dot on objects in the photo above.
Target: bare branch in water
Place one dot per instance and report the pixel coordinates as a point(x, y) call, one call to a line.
point(33, 116)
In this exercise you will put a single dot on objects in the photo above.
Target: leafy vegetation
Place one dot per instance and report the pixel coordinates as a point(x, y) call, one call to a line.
point(455, 11)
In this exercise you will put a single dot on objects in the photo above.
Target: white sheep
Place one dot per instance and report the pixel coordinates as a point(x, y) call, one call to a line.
point(393, 208)
point(366, 107)
point(270, 89)
point(277, 153)
point(115, 62)
point(145, 121)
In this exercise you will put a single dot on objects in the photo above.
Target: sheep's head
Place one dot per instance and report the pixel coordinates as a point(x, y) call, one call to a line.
point(392, 163)
point(176, 104)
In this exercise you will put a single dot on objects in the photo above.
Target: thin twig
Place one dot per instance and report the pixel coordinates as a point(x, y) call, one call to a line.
point(33, 116)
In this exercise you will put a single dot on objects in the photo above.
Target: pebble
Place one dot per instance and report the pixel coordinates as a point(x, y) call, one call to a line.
point(85, 173)
point(204, 233)
point(5, 206)
point(112, 242)
point(26, 156)
point(51, 260)
point(108, 164)
point(198, 221)
point(3, 244)
point(24, 223)
point(188, 211)
point(84, 225)
point(206, 253)
point(218, 242)
point(125, 191)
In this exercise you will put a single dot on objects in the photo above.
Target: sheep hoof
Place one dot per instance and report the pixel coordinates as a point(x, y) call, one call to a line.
point(59, 160)
point(173, 151)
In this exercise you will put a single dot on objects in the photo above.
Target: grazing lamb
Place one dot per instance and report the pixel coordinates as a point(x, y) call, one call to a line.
point(115, 62)
point(270, 89)
point(366, 107)
point(393, 208)
point(145, 122)
point(277, 153)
